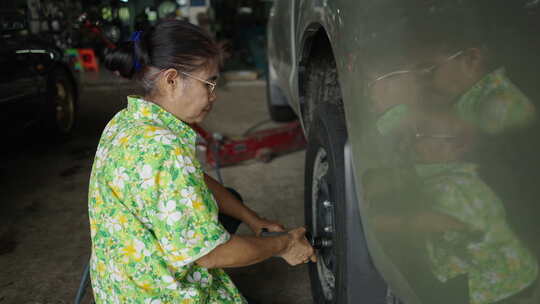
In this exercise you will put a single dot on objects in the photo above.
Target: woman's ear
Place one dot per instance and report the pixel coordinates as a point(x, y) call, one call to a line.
point(170, 82)
point(171, 77)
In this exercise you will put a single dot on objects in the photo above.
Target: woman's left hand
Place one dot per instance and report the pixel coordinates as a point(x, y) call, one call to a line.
point(258, 224)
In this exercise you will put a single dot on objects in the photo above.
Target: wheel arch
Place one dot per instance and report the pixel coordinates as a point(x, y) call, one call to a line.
point(316, 44)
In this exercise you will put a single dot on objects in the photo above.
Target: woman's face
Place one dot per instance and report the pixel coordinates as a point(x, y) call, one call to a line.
point(391, 91)
point(191, 99)
point(453, 77)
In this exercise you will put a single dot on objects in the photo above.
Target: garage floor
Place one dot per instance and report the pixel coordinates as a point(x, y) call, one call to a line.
point(44, 186)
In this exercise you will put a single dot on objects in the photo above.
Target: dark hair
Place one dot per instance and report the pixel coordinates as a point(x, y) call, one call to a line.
point(169, 44)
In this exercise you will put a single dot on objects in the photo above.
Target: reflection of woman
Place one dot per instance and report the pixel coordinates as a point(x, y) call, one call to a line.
point(497, 263)
point(485, 249)
point(153, 213)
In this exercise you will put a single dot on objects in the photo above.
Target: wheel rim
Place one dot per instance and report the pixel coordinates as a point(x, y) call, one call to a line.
point(323, 224)
point(64, 108)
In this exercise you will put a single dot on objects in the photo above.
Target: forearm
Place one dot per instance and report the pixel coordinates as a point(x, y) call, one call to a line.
point(242, 251)
point(228, 204)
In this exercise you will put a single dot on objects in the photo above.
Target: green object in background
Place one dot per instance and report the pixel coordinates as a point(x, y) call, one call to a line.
point(74, 59)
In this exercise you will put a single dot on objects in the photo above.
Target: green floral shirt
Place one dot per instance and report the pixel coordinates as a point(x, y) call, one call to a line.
point(151, 214)
point(496, 105)
point(497, 263)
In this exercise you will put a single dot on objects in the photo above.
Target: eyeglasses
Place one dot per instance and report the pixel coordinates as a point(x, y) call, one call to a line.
point(210, 85)
point(424, 71)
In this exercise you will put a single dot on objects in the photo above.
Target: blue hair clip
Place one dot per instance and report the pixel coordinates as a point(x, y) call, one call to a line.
point(136, 65)
point(136, 37)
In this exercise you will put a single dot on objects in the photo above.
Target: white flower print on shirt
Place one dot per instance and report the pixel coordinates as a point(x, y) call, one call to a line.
point(191, 237)
point(115, 299)
point(166, 244)
point(223, 294)
point(171, 282)
point(165, 137)
point(188, 196)
point(192, 293)
point(196, 277)
point(101, 155)
point(168, 212)
point(120, 177)
point(110, 130)
point(115, 273)
point(185, 163)
point(113, 225)
point(141, 249)
point(147, 175)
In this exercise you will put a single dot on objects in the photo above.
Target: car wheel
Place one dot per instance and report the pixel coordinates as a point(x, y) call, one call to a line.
point(61, 103)
point(344, 272)
point(324, 199)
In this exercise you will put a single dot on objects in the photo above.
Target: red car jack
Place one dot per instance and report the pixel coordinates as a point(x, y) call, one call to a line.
point(261, 145)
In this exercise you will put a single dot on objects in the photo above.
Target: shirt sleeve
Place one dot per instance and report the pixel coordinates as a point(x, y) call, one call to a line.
point(506, 111)
point(176, 204)
point(496, 105)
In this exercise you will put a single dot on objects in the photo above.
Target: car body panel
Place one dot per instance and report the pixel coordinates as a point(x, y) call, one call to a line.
point(18, 84)
point(366, 39)
point(284, 56)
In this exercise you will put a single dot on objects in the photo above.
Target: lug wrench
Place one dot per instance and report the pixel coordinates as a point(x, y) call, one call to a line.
point(316, 242)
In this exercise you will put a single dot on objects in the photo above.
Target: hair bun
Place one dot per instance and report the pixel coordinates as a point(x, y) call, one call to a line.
point(121, 60)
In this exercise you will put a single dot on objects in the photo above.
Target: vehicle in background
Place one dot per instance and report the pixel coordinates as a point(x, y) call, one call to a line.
point(422, 163)
point(36, 84)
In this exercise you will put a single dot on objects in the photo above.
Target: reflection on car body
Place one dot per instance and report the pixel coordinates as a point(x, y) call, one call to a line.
point(440, 104)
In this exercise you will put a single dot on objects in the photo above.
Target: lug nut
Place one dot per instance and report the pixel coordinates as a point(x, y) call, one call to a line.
point(327, 243)
point(319, 243)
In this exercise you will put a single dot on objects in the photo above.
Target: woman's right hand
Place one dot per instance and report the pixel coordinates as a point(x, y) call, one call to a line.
point(298, 250)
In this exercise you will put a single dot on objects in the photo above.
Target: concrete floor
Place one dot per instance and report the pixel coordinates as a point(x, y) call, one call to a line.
point(44, 236)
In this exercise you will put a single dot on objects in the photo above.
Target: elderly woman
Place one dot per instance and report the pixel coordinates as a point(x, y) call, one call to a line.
point(155, 232)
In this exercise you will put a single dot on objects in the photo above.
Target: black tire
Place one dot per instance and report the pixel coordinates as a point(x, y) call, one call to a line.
point(321, 87)
point(327, 136)
point(60, 113)
point(277, 113)
point(355, 279)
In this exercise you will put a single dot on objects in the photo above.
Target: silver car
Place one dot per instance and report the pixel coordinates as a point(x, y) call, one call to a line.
point(422, 166)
